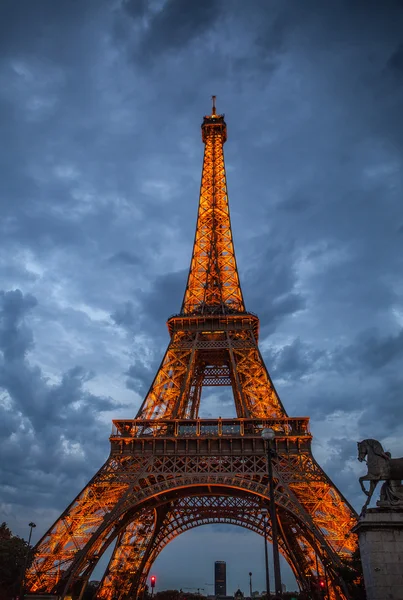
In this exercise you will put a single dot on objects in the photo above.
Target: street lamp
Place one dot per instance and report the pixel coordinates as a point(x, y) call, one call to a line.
point(31, 526)
point(22, 590)
point(268, 436)
point(325, 564)
point(264, 512)
point(250, 584)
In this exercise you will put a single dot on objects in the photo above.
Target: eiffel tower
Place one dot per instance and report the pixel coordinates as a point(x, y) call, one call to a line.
point(169, 471)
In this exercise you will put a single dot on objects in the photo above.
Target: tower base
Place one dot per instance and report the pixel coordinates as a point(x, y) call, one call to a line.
point(380, 534)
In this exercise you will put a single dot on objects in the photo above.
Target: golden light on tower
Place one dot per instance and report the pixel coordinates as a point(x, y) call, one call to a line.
point(169, 470)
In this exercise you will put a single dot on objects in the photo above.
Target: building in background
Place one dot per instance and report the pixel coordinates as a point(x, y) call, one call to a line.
point(220, 578)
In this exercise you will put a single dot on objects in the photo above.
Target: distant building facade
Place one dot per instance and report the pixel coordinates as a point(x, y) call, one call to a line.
point(220, 578)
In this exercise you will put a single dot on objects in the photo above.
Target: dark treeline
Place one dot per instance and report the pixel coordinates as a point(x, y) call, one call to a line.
point(14, 555)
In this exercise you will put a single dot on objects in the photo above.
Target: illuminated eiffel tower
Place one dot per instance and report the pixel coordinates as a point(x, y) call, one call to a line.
point(169, 471)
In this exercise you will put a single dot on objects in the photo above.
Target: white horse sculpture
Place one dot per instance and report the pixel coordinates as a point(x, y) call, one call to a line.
point(381, 467)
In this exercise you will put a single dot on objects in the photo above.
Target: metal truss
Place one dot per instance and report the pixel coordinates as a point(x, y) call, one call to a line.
point(227, 355)
point(157, 466)
point(213, 283)
point(169, 471)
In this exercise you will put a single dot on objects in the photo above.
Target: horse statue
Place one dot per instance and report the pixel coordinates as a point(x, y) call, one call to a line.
point(381, 467)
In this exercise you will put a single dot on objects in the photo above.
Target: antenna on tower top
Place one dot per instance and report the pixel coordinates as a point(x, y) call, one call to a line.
point(213, 111)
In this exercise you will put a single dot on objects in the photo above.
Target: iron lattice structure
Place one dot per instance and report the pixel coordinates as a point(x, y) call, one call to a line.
point(169, 471)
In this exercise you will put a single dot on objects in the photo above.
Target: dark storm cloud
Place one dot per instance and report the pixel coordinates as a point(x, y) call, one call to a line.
point(396, 60)
point(136, 8)
point(379, 352)
point(294, 360)
point(139, 377)
point(27, 27)
point(275, 296)
point(16, 339)
point(162, 300)
point(165, 297)
point(100, 109)
point(126, 316)
point(155, 305)
point(174, 25)
point(371, 352)
point(125, 258)
point(43, 441)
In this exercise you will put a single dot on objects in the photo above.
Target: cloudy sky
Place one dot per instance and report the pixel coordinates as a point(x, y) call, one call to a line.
point(100, 109)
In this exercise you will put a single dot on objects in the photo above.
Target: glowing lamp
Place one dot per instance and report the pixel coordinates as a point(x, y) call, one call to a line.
point(268, 434)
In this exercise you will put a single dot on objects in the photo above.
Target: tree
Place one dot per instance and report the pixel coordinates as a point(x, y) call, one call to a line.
point(14, 551)
point(91, 590)
point(167, 595)
point(175, 595)
point(351, 572)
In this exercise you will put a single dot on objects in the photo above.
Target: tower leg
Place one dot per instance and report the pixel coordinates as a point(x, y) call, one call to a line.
point(127, 558)
point(86, 528)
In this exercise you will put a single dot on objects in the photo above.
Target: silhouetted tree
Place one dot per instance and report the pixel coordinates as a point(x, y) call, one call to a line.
point(175, 595)
point(167, 595)
point(13, 553)
point(90, 590)
point(351, 572)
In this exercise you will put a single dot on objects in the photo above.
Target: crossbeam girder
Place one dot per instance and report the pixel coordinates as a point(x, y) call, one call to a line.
point(187, 367)
point(140, 481)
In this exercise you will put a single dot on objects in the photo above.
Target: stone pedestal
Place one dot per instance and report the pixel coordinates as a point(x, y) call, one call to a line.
point(380, 535)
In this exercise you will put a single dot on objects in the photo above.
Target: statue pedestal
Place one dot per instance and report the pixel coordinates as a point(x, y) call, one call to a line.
point(380, 535)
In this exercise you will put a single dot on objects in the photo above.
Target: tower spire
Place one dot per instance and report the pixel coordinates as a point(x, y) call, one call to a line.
point(213, 282)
